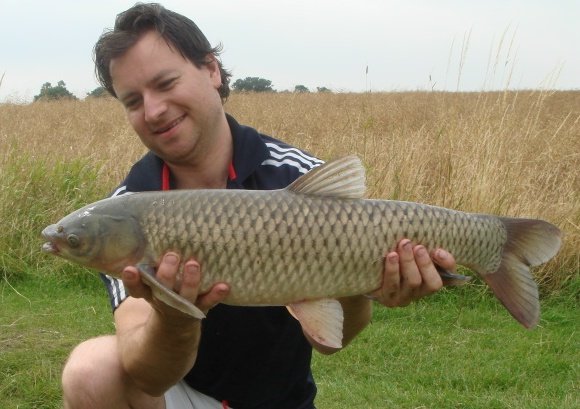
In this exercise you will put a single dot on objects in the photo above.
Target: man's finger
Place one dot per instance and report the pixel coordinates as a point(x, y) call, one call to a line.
point(213, 297)
point(444, 260)
point(133, 284)
point(387, 294)
point(391, 276)
point(430, 278)
point(410, 275)
point(168, 270)
point(190, 280)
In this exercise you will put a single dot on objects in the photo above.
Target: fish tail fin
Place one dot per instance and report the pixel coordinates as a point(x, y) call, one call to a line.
point(529, 243)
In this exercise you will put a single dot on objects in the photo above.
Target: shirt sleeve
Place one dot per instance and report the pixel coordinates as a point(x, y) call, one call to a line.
point(114, 286)
point(115, 289)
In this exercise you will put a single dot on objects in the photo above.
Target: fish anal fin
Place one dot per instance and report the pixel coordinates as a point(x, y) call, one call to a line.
point(321, 319)
point(344, 178)
point(167, 296)
point(514, 286)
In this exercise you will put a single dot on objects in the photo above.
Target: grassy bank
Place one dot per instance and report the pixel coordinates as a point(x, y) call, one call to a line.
point(458, 349)
point(41, 321)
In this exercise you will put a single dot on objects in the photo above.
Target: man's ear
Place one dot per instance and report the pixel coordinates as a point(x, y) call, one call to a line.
point(214, 70)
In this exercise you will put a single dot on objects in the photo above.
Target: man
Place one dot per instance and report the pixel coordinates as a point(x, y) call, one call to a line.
point(172, 85)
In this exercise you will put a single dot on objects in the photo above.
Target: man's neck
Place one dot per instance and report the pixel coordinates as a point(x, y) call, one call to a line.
point(210, 169)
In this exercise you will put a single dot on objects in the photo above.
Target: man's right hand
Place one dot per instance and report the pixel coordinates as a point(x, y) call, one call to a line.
point(157, 343)
point(185, 283)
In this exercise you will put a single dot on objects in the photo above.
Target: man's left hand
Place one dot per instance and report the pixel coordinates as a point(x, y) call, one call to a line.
point(409, 274)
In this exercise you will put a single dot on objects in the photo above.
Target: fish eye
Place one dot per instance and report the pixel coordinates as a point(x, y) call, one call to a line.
point(73, 240)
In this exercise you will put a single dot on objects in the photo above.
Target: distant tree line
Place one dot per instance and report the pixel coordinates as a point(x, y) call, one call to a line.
point(253, 84)
point(99, 92)
point(48, 92)
point(257, 84)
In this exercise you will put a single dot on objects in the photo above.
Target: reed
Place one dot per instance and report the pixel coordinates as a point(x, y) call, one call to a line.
point(509, 153)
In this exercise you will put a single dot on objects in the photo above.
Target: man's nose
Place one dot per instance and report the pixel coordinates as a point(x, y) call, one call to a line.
point(154, 107)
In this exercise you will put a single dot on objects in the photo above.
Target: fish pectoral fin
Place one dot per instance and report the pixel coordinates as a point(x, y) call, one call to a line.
point(321, 319)
point(167, 296)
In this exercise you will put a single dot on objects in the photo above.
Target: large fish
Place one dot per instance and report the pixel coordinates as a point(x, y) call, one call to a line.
point(303, 246)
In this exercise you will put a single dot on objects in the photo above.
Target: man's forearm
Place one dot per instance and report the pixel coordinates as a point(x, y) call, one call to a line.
point(156, 355)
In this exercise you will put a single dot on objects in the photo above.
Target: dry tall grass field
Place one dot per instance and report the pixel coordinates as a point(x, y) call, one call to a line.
point(508, 153)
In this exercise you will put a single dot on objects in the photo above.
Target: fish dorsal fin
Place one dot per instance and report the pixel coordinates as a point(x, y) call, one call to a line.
point(343, 178)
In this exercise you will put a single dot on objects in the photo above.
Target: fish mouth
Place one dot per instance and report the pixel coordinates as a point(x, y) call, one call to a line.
point(49, 234)
point(50, 248)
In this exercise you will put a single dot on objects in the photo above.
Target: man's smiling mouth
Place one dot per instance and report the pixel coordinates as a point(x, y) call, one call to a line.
point(170, 125)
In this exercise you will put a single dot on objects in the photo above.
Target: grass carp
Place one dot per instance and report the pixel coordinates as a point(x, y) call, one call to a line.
point(303, 246)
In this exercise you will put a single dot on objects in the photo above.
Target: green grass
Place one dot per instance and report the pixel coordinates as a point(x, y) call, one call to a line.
point(457, 349)
point(41, 321)
point(36, 193)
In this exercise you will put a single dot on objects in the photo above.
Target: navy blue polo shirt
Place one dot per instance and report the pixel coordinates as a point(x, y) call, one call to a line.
point(252, 357)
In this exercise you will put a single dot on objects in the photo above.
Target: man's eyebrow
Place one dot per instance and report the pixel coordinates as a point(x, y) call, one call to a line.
point(161, 75)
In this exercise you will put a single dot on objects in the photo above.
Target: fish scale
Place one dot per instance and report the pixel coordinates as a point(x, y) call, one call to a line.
point(306, 246)
point(303, 246)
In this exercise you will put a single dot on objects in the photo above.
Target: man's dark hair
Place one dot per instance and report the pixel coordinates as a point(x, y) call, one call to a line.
point(178, 31)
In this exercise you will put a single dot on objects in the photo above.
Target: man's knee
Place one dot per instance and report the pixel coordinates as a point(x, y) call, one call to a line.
point(92, 374)
point(93, 378)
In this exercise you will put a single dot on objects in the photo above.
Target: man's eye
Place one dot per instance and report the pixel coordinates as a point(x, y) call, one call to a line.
point(131, 103)
point(167, 83)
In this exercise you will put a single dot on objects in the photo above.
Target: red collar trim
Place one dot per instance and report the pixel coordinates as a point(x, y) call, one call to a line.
point(232, 172)
point(165, 174)
point(165, 177)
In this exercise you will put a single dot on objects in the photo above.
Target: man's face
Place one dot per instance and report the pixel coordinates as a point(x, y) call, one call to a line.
point(172, 105)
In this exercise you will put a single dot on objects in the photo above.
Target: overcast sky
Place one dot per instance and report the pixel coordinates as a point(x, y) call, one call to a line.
point(449, 45)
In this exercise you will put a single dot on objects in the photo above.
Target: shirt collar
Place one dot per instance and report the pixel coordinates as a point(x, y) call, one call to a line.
point(249, 152)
